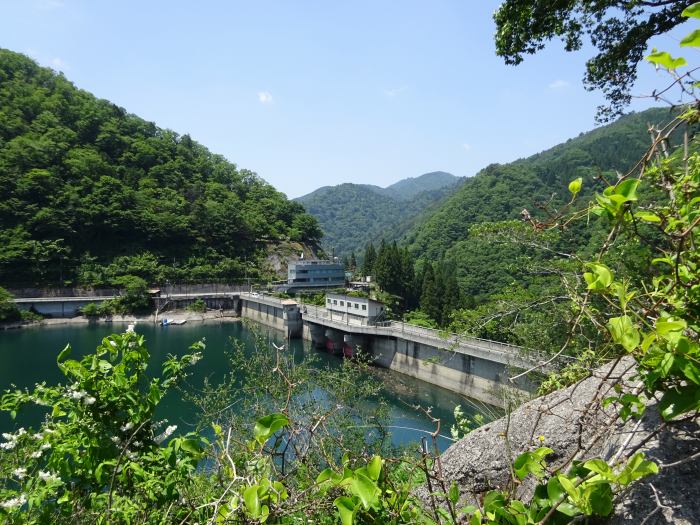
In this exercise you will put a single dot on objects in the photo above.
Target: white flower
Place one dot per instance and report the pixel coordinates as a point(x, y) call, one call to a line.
point(77, 395)
point(195, 357)
point(21, 432)
point(89, 400)
point(130, 329)
point(116, 440)
point(14, 502)
point(48, 477)
point(8, 437)
point(127, 427)
point(113, 343)
point(9, 445)
point(38, 436)
point(20, 472)
point(46, 446)
point(35, 455)
point(132, 456)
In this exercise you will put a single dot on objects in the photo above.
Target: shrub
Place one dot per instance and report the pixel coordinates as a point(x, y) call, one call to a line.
point(197, 306)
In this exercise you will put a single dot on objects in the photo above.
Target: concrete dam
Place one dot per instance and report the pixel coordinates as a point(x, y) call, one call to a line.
point(472, 367)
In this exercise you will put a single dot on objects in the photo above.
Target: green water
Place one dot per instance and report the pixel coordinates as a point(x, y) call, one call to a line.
point(29, 355)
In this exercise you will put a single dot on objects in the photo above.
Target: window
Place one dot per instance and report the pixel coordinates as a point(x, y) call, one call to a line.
point(364, 307)
point(356, 306)
point(335, 302)
point(328, 301)
point(342, 303)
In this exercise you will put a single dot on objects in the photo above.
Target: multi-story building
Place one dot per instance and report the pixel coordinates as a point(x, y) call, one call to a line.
point(315, 274)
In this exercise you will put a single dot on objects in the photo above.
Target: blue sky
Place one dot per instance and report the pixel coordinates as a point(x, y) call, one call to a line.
point(312, 93)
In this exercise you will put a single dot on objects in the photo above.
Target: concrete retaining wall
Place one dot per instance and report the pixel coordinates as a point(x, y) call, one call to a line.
point(287, 320)
point(468, 375)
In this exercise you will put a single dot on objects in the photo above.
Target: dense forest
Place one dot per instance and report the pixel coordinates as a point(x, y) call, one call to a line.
point(492, 261)
point(89, 192)
point(351, 215)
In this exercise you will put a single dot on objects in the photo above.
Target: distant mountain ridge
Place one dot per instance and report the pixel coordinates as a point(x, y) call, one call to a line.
point(409, 188)
point(351, 215)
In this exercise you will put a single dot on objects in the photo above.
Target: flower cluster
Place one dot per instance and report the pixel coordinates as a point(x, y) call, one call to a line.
point(14, 502)
point(48, 477)
point(11, 439)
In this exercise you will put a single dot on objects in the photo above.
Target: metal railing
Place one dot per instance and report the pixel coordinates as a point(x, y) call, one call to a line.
point(443, 339)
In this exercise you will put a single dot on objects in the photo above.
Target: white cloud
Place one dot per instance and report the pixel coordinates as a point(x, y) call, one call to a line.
point(58, 63)
point(558, 84)
point(466, 147)
point(391, 93)
point(265, 97)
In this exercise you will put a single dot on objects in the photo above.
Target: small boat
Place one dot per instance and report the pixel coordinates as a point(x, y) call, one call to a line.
point(168, 322)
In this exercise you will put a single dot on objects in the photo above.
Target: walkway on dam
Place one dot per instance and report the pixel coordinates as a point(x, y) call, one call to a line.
point(483, 348)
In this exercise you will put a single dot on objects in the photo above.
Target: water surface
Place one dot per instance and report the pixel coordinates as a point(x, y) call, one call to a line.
point(28, 356)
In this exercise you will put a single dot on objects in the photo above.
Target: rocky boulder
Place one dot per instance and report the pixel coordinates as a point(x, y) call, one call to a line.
point(574, 423)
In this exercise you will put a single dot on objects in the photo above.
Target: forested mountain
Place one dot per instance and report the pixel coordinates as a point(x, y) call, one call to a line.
point(353, 214)
point(513, 279)
point(89, 192)
point(481, 269)
point(501, 191)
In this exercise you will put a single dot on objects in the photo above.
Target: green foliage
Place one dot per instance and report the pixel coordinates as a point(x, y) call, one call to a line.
point(619, 31)
point(8, 309)
point(134, 297)
point(91, 310)
point(89, 193)
point(197, 305)
point(99, 456)
point(420, 318)
point(656, 321)
point(29, 316)
point(587, 490)
point(465, 424)
point(571, 373)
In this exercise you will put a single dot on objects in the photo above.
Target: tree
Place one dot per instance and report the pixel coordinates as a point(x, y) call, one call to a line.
point(8, 310)
point(430, 301)
point(370, 258)
point(619, 29)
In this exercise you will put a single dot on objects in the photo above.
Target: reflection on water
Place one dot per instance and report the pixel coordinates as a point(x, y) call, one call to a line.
point(29, 355)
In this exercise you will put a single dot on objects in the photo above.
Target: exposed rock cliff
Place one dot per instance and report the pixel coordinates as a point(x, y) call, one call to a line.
point(573, 422)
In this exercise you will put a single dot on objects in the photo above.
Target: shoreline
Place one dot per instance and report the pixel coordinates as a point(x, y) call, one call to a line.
point(229, 316)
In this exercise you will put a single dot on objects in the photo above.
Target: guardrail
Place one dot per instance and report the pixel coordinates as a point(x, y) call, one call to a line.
point(446, 340)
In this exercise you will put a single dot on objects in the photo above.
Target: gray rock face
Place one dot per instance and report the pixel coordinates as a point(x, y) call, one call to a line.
point(574, 424)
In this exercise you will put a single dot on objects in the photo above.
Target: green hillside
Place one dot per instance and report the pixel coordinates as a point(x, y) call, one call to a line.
point(89, 192)
point(501, 191)
point(351, 215)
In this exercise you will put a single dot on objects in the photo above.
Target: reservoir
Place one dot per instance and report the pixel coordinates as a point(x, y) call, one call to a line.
point(28, 356)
